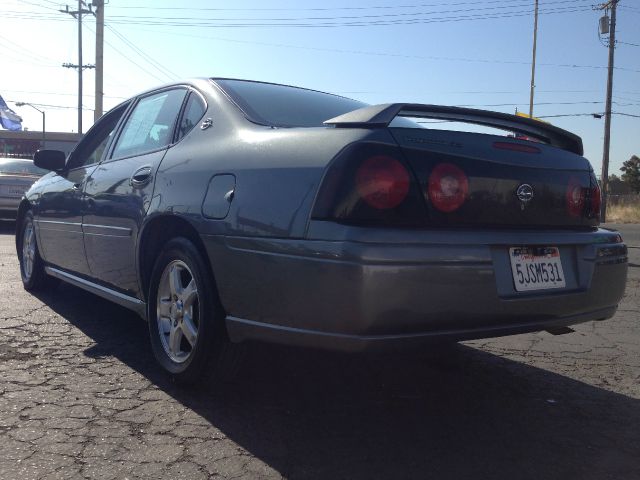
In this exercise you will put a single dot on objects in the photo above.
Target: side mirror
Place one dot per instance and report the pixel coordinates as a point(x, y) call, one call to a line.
point(50, 160)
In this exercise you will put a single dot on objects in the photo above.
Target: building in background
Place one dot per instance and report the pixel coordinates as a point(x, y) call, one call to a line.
point(23, 144)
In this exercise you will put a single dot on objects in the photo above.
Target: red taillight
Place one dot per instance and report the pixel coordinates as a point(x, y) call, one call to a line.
point(448, 187)
point(575, 197)
point(596, 199)
point(382, 182)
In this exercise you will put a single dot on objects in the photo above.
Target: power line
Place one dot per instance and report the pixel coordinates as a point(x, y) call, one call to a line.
point(259, 23)
point(150, 60)
point(84, 108)
point(372, 7)
point(597, 115)
point(626, 114)
point(328, 22)
point(27, 61)
point(24, 51)
point(40, 5)
point(389, 54)
point(277, 45)
point(117, 50)
point(501, 7)
point(477, 92)
point(544, 103)
point(59, 94)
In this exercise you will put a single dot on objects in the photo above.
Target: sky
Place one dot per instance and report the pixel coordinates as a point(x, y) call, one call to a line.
point(466, 53)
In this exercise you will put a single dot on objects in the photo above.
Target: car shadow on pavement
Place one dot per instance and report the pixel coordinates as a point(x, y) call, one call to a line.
point(463, 414)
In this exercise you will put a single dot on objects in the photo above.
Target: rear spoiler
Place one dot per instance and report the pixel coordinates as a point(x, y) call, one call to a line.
point(380, 116)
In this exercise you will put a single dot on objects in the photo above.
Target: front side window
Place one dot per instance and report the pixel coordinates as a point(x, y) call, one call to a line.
point(92, 146)
point(150, 125)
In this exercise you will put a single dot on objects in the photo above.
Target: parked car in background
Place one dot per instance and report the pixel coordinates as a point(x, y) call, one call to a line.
point(16, 176)
point(226, 210)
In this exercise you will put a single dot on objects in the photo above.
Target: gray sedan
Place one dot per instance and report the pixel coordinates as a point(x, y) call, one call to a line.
point(224, 211)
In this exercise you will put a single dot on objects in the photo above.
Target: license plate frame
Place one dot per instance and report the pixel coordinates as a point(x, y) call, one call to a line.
point(536, 268)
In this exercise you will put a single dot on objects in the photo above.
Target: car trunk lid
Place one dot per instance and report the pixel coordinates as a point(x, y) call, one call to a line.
point(509, 182)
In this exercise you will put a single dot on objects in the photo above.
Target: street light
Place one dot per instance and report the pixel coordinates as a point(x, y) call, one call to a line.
point(44, 135)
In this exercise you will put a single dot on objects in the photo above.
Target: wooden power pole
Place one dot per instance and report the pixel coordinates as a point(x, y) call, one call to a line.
point(533, 60)
point(80, 67)
point(99, 5)
point(607, 114)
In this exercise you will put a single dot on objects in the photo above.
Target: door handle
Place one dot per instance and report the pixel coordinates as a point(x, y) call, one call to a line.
point(141, 176)
point(76, 186)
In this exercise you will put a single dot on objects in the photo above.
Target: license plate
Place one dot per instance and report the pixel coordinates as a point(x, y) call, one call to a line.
point(12, 190)
point(536, 268)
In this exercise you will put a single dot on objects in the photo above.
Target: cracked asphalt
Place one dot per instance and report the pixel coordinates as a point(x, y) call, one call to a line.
point(81, 397)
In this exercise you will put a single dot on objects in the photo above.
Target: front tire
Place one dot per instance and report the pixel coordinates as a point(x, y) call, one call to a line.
point(186, 320)
point(31, 265)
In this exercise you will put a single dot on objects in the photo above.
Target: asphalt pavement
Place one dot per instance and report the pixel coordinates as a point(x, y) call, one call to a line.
point(81, 397)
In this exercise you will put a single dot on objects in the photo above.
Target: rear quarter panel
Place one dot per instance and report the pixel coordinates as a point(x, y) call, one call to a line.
point(277, 172)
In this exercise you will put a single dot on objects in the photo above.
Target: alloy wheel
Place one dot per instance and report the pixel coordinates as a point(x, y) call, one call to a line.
point(177, 311)
point(28, 250)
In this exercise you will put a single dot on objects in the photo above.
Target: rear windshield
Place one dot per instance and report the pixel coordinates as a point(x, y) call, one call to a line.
point(20, 167)
point(282, 106)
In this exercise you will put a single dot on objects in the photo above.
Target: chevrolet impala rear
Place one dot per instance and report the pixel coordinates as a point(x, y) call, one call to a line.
point(419, 235)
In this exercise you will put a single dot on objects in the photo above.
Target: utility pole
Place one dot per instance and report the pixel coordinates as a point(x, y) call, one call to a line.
point(99, 4)
point(78, 14)
point(607, 114)
point(533, 61)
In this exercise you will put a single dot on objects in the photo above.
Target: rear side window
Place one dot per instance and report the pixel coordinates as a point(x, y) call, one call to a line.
point(150, 125)
point(193, 112)
point(282, 106)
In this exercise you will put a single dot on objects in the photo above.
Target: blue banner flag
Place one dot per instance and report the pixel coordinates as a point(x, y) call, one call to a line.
point(8, 118)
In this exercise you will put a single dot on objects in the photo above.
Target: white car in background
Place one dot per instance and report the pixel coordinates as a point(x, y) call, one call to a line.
point(16, 176)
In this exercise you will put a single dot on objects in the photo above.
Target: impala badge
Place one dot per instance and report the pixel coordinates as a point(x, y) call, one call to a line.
point(525, 193)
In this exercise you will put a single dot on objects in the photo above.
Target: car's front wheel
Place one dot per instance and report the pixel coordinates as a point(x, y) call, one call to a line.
point(31, 265)
point(186, 320)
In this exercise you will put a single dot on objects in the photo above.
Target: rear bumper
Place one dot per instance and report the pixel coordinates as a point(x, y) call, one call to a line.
point(242, 330)
point(9, 204)
point(373, 290)
point(9, 207)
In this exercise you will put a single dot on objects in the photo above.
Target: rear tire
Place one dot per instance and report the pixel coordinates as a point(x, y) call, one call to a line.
point(31, 265)
point(186, 319)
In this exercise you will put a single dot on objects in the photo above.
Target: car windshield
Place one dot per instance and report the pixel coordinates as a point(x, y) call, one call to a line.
point(9, 166)
point(283, 106)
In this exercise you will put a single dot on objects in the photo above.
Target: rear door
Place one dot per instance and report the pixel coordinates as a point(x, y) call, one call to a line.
point(120, 190)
